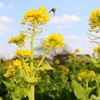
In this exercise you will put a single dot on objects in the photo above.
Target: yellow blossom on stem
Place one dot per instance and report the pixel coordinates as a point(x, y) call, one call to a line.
point(79, 78)
point(18, 40)
point(23, 53)
point(8, 73)
point(83, 55)
point(39, 16)
point(17, 63)
point(97, 49)
point(57, 61)
point(55, 40)
point(22, 22)
point(94, 19)
point(77, 50)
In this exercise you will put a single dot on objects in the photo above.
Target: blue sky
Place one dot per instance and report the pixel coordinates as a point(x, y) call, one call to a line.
point(71, 20)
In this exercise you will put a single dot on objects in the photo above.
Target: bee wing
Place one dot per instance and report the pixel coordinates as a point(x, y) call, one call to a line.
point(54, 13)
point(50, 10)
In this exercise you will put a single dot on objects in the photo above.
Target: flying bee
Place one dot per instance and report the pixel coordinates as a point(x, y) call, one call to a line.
point(53, 10)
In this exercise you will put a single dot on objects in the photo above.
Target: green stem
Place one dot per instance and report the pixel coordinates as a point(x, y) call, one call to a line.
point(44, 56)
point(98, 88)
point(87, 84)
point(41, 60)
point(32, 93)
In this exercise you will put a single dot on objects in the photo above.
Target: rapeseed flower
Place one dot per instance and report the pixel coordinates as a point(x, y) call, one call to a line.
point(17, 63)
point(77, 50)
point(54, 40)
point(57, 61)
point(83, 56)
point(38, 16)
point(97, 51)
point(23, 53)
point(86, 75)
point(63, 68)
point(8, 73)
point(18, 40)
point(95, 19)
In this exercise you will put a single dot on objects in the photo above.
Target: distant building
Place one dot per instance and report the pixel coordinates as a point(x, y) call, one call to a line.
point(63, 56)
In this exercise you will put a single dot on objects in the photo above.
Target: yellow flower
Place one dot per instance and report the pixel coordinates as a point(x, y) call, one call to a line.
point(57, 61)
point(79, 78)
point(18, 40)
point(92, 73)
point(39, 16)
point(10, 67)
point(17, 63)
point(67, 69)
point(94, 19)
point(77, 50)
point(83, 55)
point(8, 73)
point(51, 63)
point(95, 49)
point(54, 40)
point(26, 68)
point(23, 53)
point(98, 54)
point(22, 22)
point(82, 74)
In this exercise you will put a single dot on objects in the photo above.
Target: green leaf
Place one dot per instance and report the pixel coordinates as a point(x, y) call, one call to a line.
point(45, 67)
point(17, 94)
point(32, 80)
point(79, 91)
point(51, 95)
point(22, 73)
point(7, 84)
point(95, 97)
point(1, 98)
point(95, 62)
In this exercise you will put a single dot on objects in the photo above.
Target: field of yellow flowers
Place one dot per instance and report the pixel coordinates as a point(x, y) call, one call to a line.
point(26, 78)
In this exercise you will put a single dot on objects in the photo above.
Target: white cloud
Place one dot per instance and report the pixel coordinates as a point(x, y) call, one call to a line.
point(10, 6)
point(65, 19)
point(2, 52)
point(82, 48)
point(1, 45)
point(1, 4)
point(6, 19)
point(73, 37)
point(79, 42)
point(67, 26)
point(6, 54)
point(5, 29)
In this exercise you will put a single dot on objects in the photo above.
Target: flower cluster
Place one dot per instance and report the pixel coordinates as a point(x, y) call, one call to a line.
point(62, 67)
point(86, 75)
point(54, 40)
point(83, 56)
point(18, 40)
point(57, 62)
point(39, 16)
point(23, 53)
point(97, 50)
point(73, 57)
point(94, 19)
point(77, 50)
point(16, 65)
